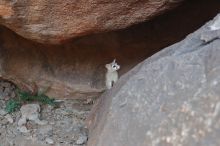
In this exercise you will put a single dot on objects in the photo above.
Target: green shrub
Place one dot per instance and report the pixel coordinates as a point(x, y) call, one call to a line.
point(42, 98)
point(23, 97)
point(12, 105)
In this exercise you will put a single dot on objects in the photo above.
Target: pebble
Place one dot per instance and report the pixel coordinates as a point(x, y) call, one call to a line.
point(81, 140)
point(31, 112)
point(9, 118)
point(49, 141)
point(23, 129)
point(45, 130)
point(13, 94)
point(2, 112)
point(4, 121)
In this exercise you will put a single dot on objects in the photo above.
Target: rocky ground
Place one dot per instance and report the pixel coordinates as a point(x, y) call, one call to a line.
point(64, 127)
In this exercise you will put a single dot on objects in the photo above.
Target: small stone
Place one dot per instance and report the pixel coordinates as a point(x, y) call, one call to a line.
point(52, 122)
point(45, 130)
point(23, 129)
point(4, 121)
point(50, 108)
point(40, 122)
point(13, 94)
point(49, 141)
point(2, 112)
point(81, 140)
point(31, 112)
point(6, 97)
point(9, 118)
point(89, 101)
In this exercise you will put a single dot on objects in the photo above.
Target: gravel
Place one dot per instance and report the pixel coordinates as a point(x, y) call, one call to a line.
point(65, 125)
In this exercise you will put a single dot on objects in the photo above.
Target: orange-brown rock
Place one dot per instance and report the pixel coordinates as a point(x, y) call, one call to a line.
point(58, 20)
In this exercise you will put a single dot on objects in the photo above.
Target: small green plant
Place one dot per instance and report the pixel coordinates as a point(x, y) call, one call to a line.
point(12, 105)
point(23, 97)
point(42, 98)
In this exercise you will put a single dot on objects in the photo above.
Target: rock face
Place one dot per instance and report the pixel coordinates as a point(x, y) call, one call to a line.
point(170, 99)
point(54, 22)
point(76, 68)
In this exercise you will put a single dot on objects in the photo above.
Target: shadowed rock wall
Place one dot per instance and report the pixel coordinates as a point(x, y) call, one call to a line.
point(75, 69)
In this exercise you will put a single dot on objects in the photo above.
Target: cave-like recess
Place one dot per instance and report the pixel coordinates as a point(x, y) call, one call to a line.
point(76, 69)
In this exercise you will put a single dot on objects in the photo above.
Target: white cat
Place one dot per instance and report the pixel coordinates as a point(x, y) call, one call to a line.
point(111, 74)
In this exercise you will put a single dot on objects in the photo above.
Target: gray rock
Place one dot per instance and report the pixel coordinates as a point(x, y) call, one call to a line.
point(171, 98)
point(31, 112)
point(13, 95)
point(82, 139)
point(9, 118)
point(4, 122)
point(46, 130)
point(49, 141)
point(23, 129)
point(63, 131)
point(7, 90)
point(2, 112)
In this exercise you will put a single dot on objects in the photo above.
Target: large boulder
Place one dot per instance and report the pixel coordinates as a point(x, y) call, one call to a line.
point(170, 99)
point(58, 20)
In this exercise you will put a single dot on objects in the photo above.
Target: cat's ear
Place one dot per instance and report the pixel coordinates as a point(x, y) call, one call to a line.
point(107, 66)
point(114, 60)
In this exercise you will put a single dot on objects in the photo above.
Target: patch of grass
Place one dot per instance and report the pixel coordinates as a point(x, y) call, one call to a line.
point(12, 105)
point(42, 98)
point(23, 97)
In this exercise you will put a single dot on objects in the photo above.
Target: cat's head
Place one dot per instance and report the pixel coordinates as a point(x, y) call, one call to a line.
point(112, 66)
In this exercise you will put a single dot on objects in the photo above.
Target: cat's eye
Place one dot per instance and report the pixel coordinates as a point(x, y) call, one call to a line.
point(114, 66)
